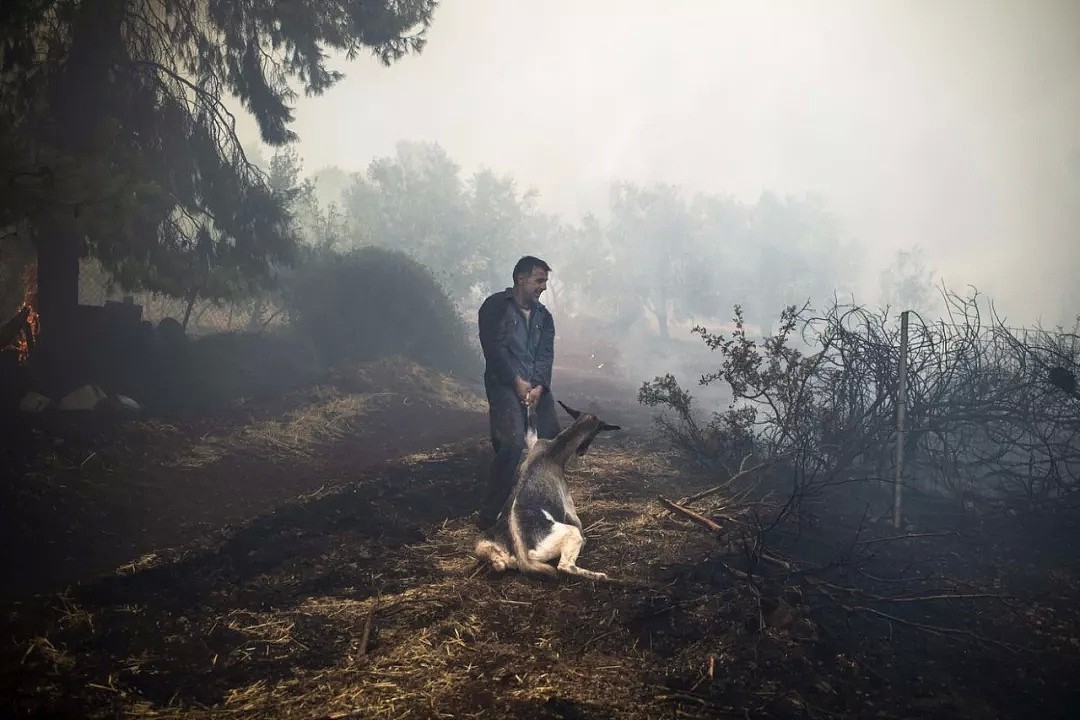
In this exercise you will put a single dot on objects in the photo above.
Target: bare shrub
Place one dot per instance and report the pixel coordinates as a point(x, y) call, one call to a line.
point(992, 421)
point(986, 421)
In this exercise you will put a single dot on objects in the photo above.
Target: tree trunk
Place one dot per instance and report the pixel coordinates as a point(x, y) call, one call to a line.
point(659, 310)
point(255, 321)
point(650, 307)
point(192, 297)
point(58, 250)
point(74, 95)
point(661, 322)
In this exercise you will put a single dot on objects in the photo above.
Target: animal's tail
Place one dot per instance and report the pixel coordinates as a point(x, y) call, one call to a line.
point(517, 542)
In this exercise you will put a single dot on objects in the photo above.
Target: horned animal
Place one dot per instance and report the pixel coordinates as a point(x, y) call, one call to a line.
point(539, 522)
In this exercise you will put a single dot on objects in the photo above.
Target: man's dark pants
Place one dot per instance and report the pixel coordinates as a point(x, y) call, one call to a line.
point(508, 424)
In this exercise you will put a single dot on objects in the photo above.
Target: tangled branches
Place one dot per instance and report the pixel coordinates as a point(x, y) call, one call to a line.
point(992, 420)
point(991, 414)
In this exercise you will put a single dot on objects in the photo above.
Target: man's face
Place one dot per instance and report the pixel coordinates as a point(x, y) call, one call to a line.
point(534, 284)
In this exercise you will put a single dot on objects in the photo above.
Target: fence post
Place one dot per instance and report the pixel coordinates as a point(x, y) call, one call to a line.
point(901, 402)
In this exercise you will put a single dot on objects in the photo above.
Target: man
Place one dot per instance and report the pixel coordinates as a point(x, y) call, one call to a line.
point(517, 334)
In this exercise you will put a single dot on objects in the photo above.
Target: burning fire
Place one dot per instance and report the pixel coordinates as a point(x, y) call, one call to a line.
point(25, 343)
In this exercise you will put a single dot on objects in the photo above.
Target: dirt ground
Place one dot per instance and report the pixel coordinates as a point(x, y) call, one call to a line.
point(312, 559)
point(98, 492)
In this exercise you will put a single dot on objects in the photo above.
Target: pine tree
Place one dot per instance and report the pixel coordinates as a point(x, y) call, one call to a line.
point(116, 141)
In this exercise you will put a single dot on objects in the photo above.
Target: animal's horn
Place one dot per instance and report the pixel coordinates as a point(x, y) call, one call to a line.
point(573, 413)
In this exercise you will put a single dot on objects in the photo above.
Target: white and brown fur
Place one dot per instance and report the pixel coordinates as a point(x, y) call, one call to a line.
point(539, 523)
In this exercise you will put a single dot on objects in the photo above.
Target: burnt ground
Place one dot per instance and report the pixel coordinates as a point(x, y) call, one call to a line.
point(232, 566)
point(90, 493)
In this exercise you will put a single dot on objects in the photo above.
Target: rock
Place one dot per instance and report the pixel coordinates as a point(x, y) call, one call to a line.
point(86, 397)
point(127, 403)
point(34, 402)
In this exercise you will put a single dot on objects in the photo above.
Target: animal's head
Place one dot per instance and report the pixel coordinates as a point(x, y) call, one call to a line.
point(586, 427)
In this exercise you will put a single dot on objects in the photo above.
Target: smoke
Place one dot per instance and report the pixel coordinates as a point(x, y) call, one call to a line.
point(953, 127)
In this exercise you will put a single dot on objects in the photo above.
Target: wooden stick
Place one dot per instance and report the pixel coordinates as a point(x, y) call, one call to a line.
point(901, 402)
point(366, 634)
point(871, 541)
point(699, 519)
point(733, 478)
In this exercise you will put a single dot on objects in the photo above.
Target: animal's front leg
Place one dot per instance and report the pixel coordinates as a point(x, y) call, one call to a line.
point(496, 555)
point(571, 548)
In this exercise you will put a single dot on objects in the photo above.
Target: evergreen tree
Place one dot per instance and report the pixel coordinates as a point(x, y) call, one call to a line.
point(117, 142)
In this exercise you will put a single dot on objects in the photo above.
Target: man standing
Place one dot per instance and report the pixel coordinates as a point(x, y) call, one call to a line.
point(517, 334)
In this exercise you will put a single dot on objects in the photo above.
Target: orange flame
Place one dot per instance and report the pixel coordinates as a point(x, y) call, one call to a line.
point(30, 333)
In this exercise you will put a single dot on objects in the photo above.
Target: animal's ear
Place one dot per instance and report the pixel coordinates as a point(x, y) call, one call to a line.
point(573, 413)
point(605, 426)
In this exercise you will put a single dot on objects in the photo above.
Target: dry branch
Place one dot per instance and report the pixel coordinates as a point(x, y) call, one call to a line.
point(686, 512)
point(365, 635)
point(727, 483)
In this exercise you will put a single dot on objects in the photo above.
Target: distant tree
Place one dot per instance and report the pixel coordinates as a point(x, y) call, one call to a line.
point(662, 255)
point(112, 111)
point(360, 204)
point(659, 250)
point(585, 269)
point(317, 225)
point(723, 229)
point(504, 225)
point(415, 202)
point(469, 232)
point(331, 182)
point(907, 283)
point(792, 254)
point(286, 177)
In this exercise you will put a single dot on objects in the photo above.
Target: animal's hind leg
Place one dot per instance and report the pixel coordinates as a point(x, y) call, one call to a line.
point(551, 547)
point(571, 547)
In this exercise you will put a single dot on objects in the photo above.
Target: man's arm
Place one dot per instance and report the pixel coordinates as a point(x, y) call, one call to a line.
point(492, 340)
point(545, 354)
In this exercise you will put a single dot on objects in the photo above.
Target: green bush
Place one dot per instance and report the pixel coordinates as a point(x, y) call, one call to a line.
point(371, 303)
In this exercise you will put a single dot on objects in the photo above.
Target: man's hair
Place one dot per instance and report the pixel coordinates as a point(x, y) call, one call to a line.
point(526, 265)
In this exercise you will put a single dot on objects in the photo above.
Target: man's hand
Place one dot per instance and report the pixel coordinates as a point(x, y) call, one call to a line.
point(534, 395)
point(522, 389)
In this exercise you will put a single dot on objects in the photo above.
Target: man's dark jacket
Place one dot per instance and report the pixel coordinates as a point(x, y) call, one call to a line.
point(514, 346)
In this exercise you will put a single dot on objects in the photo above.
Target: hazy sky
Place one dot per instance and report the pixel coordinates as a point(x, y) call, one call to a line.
point(955, 125)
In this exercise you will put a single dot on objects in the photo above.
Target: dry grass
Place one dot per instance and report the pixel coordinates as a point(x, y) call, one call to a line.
point(410, 381)
point(448, 635)
point(365, 602)
point(327, 413)
point(298, 434)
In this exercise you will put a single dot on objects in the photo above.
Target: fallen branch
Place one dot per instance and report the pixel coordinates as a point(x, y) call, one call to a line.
point(690, 514)
point(365, 636)
point(938, 630)
point(742, 471)
point(904, 537)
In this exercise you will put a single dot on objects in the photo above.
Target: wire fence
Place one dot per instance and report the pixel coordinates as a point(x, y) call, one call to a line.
point(207, 317)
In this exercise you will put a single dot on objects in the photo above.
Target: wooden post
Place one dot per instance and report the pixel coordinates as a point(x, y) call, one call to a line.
point(901, 402)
